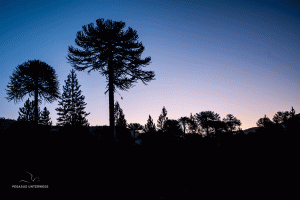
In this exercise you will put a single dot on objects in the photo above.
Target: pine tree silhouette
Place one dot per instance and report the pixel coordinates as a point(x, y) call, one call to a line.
point(72, 105)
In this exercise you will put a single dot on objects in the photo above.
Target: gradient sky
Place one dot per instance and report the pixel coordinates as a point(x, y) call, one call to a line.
point(230, 57)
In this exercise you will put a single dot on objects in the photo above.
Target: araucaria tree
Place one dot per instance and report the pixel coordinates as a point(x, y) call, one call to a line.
point(115, 53)
point(35, 78)
point(72, 105)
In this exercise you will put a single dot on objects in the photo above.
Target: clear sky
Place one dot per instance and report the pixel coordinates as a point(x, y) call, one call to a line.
point(230, 57)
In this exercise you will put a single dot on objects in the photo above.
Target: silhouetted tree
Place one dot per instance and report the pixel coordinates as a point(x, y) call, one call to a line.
point(45, 118)
point(72, 105)
point(264, 122)
point(192, 124)
point(26, 113)
point(232, 123)
point(150, 126)
point(204, 118)
point(120, 120)
point(135, 126)
point(114, 52)
point(184, 122)
point(35, 78)
point(162, 119)
point(172, 127)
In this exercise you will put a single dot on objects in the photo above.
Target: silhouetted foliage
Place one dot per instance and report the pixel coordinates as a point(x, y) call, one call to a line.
point(232, 123)
point(45, 118)
point(120, 120)
point(184, 123)
point(264, 122)
point(162, 119)
point(35, 78)
point(173, 128)
point(204, 120)
point(135, 126)
point(122, 133)
point(72, 105)
point(26, 113)
point(113, 52)
point(192, 125)
point(150, 126)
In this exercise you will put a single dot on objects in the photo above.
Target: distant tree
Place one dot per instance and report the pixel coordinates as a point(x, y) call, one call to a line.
point(35, 78)
point(184, 123)
point(134, 127)
point(172, 127)
point(150, 126)
point(26, 113)
point(281, 117)
point(264, 122)
point(204, 119)
point(120, 120)
point(45, 118)
point(114, 52)
point(192, 124)
point(71, 104)
point(232, 123)
point(162, 119)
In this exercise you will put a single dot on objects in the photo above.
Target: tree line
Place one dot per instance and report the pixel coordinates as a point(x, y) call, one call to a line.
point(116, 53)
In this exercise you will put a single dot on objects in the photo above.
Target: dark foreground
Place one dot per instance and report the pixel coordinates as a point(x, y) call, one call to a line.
point(177, 171)
point(151, 173)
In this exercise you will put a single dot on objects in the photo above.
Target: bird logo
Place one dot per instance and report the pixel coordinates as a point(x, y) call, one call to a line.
point(32, 180)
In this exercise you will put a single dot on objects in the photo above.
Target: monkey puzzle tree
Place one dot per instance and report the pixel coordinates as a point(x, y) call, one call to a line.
point(115, 53)
point(35, 78)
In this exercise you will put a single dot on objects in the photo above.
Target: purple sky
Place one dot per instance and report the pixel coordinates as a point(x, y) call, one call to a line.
point(230, 57)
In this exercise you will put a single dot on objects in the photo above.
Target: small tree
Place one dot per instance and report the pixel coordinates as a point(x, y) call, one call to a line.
point(134, 127)
point(45, 118)
point(264, 122)
point(72, 105)
point(26, 113)
point(172, 127)
point(184, 122)
point(204, 119)
point(232, 123)
point(150, 126)
point(162, 119)
point(120, 120)
point(35, 78)
point(192, 124)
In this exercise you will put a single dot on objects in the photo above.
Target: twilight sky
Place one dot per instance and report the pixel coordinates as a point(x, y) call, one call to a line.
point(230, 57)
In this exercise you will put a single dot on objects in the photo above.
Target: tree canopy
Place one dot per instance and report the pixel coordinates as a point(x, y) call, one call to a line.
point(35, 78)
point(113, 51)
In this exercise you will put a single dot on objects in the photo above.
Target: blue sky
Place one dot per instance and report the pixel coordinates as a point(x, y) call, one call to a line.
point(230, 57)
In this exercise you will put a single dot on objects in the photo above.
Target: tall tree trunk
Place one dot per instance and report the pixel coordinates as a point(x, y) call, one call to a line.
point(36, 114)
point(111, 99)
